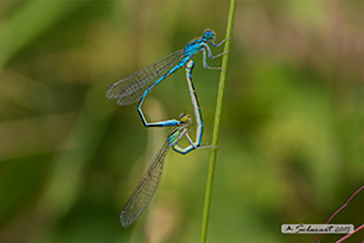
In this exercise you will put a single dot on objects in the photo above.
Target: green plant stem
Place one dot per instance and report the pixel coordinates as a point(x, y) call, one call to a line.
point(215, 135)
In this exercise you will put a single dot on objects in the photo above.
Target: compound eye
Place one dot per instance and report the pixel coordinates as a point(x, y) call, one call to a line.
point(185, 118)
point(209, 34)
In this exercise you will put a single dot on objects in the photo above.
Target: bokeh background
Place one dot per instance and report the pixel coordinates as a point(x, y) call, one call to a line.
point(292, 131)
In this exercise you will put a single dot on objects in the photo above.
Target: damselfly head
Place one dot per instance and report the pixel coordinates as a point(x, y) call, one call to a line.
point(185, 118)
point(209, 34)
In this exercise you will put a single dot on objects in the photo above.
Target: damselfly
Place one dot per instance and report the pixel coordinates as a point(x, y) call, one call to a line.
point(144, 192)
point(137, 85)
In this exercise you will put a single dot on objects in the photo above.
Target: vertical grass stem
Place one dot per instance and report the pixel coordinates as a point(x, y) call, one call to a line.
point(215, 136)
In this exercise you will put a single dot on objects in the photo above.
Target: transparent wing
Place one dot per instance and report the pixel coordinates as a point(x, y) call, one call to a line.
point(131, 88)
point(142, 195)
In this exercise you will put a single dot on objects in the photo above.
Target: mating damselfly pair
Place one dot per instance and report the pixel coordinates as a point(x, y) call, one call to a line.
point(135, 87)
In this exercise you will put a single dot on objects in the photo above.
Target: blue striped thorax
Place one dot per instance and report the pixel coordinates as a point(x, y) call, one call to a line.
point(197, 44)
point(177, 133)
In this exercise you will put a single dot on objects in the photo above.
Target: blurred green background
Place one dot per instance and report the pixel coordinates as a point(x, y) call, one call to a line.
point(292, 130)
